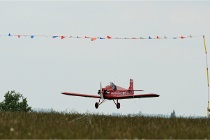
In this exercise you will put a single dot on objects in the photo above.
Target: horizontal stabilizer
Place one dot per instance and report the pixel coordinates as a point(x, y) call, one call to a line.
point(138, 90)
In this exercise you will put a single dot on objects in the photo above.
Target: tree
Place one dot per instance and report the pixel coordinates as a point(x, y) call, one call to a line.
point(14, 102)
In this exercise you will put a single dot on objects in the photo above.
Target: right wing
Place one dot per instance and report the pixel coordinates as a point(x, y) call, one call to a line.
point(81, 95)
point(130, 96)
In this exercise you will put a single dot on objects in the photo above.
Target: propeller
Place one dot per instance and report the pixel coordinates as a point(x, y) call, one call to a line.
point(101, 94)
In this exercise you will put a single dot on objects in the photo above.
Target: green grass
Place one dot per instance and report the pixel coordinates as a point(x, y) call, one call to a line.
point(59, 125)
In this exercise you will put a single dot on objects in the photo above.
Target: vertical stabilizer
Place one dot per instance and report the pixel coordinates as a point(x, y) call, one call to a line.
point(131, 86)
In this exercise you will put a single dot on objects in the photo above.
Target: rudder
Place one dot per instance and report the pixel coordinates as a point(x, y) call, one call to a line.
point(131, 86)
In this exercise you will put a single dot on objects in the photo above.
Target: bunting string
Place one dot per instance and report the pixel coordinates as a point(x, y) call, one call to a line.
point(98, 38)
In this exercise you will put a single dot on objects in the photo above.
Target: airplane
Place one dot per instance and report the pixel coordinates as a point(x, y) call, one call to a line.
point(115, 93)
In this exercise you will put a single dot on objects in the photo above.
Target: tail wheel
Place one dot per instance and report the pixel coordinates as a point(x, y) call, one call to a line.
point(118, 105)
point(96, 105)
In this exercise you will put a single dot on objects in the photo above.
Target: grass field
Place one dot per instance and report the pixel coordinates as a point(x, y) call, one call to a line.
point(73, 125)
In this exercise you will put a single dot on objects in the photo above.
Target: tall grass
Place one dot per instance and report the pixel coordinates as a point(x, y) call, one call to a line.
point(60, 125)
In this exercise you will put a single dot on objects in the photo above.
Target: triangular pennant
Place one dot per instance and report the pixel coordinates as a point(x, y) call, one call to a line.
point(62, 37)
point(55, 36)
point(109, 37)
point(93, 38)
point(182, 37)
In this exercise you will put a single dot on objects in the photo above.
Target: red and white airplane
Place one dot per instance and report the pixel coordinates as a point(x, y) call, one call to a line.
point(113, 92)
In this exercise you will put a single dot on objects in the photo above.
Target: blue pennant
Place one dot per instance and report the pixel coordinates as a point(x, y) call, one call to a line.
point(55, 36)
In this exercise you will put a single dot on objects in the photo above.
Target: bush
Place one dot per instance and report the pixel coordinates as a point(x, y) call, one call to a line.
point(14, 102)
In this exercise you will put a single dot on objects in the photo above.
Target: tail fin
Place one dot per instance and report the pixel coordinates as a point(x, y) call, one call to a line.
point(131, 86)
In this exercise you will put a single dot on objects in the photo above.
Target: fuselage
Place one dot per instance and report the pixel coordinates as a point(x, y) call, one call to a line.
point(112, 92)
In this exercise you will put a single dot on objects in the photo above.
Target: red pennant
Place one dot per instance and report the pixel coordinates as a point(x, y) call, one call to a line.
point(93, 38)
point(109, 37)
point(182, 37)
point(62, 37)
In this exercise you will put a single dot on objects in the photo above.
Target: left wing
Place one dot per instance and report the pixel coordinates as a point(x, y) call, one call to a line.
point(129, 96)
point(82, 95)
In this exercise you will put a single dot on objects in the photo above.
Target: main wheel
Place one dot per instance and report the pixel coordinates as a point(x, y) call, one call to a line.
point(118, 105)
point(96, 105)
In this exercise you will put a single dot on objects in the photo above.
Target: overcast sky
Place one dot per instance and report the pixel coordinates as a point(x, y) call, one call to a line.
point(41, 68)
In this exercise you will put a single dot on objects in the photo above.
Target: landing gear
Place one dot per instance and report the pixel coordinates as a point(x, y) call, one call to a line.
point(99, 103)
point(117, 104)
point(96, 105)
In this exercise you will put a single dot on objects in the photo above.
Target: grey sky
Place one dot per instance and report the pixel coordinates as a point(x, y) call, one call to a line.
point(42, 68)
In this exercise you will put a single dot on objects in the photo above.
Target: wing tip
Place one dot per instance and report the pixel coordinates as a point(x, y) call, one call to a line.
point(64, 93)
point(155, 95)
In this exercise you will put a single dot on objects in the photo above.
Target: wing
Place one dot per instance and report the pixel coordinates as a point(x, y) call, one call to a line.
point(82, 95)
point(129, 96)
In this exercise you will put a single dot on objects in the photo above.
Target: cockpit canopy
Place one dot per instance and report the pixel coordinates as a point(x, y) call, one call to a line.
point(113, 86)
